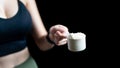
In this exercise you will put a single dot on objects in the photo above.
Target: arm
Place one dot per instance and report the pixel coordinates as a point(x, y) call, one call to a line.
point(39, 32)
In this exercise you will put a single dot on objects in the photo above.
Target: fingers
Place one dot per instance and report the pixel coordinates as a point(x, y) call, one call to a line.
point(60, 28)
point(60, 38)
point(62, 35)
point(62, 42)
point(59, 34)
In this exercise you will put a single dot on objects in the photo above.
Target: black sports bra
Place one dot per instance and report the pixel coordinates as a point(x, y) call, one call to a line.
point(13, 31)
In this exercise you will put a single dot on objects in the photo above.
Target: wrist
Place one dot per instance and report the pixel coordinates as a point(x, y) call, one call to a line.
point(49, 40)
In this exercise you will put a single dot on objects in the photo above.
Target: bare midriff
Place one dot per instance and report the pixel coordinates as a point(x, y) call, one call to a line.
point(15, 59)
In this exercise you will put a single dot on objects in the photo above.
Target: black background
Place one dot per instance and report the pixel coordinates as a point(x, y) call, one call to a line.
point(76, 16)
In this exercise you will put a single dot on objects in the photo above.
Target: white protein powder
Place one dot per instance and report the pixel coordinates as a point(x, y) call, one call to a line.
point(77, 35)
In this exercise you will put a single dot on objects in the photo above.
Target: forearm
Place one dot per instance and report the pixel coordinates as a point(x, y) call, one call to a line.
point(43, 44)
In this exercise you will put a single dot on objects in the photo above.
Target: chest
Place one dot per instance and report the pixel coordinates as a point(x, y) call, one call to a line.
point(16, 26)
point(8, 8)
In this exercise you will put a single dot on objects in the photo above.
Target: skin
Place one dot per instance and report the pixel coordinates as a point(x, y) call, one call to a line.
point(57, 33)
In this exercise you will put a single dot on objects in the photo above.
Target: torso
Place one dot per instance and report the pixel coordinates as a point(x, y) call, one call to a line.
point(11, 60)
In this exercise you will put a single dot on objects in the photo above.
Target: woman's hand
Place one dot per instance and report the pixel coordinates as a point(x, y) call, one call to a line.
point(58, 34)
